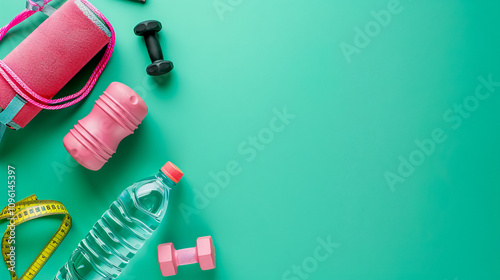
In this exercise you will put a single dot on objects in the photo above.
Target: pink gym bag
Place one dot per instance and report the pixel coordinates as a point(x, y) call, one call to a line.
point(40, 66)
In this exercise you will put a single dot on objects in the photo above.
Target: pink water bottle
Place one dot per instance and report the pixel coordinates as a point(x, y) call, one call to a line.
point(116, 114)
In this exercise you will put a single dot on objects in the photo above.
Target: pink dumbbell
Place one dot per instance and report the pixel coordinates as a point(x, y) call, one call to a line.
point(170, 259)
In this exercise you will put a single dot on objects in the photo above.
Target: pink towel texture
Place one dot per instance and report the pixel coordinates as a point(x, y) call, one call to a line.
point(52, 55)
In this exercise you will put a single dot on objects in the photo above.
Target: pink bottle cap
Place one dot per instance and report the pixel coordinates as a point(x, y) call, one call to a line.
point(173, 172)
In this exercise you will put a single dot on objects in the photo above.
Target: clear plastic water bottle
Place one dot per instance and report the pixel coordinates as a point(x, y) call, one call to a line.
point(123, 229)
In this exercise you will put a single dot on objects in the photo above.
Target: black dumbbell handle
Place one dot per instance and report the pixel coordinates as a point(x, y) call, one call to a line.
point(154, 47)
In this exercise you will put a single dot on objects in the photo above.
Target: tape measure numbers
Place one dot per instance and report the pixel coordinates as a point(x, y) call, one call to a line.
point(28, 209)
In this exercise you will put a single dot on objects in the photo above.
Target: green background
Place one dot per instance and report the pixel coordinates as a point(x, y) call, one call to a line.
point(324, 175)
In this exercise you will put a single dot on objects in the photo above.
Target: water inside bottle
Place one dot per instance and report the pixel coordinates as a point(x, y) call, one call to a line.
point(121, 231)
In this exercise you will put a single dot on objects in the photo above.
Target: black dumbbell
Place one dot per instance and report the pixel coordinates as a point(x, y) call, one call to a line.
point(149, 29)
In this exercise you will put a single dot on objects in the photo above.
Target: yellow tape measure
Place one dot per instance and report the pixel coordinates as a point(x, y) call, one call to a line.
point(28, 209)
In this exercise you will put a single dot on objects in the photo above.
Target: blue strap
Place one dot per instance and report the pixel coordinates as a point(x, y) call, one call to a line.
point(7, 115)
point(38, 4)
point(46, 8)
point(3, 127)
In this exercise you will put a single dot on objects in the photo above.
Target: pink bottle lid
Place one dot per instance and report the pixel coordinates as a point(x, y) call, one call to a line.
point(173, 172)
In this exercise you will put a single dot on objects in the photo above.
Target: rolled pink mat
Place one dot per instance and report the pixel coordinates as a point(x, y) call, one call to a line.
point(116, 114)
point(53, 54)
